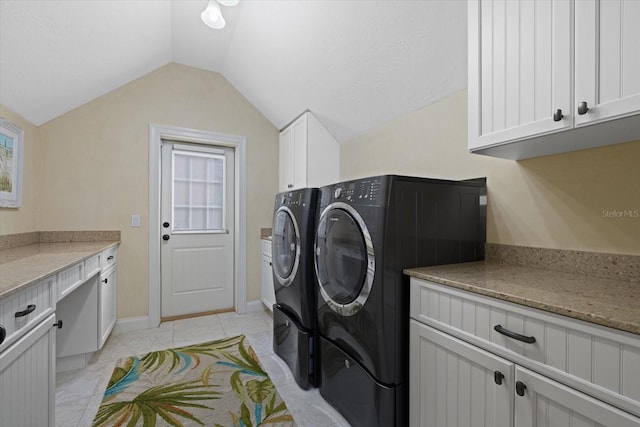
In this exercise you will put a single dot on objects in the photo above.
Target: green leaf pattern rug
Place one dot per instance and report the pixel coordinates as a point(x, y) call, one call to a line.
point(216, 383)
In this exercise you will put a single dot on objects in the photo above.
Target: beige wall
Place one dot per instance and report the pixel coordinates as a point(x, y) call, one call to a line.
point(95, 173)
point(24, 219)
point(553, 202)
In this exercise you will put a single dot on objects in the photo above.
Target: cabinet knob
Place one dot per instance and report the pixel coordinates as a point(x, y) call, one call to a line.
point(166, 237)
point(520, 388)
point(583, 108)
point(3, 334)
point(557, 115)
point(165, 224)
point(105, 281)
point(58, 324)
point(289, 185)
point(498, 377)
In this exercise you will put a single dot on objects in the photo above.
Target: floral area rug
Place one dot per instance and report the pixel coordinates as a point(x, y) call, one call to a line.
point(216, 383)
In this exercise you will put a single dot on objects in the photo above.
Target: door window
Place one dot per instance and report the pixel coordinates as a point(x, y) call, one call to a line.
point(342, 258)
point(198, 192)
point(284, 244)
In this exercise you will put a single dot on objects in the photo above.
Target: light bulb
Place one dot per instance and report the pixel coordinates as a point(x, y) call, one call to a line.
point(212, 16)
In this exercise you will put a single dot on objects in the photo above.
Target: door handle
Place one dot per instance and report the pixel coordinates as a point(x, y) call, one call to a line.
point(165, 237)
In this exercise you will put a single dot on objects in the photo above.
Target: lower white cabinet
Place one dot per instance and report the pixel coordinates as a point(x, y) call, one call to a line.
point(541, 402)
point(28, 378)
point(453, 382)
point(267, 294)
point(107, 297)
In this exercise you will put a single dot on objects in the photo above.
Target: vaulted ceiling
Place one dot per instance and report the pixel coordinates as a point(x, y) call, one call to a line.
point(354, 63)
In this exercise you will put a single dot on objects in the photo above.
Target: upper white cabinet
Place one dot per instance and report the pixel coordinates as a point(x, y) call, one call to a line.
point(552, 76)
point(309, 155)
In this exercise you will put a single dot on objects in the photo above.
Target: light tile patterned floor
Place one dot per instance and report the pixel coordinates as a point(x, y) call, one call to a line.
point(79, 392)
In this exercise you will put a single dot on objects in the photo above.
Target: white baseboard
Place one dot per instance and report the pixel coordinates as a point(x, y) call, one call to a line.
point(255, 306)
point(129, 324)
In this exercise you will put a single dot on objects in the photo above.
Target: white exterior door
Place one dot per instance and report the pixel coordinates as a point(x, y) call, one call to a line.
point(197, 227)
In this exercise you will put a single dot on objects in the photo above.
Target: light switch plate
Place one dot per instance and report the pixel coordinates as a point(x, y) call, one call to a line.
point(135, 220)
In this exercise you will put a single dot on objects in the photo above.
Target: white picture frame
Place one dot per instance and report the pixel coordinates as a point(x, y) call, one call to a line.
point(11, 152)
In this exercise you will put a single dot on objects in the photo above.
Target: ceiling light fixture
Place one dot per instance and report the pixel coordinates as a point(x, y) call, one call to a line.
point(212, 15)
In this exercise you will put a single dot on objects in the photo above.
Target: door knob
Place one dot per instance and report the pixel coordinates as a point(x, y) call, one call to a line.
point(165, 224)
point(165, 237)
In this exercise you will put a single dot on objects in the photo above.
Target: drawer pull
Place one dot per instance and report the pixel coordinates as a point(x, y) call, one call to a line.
point(499, 329)
point(110, 257)
point(30, 309)
point(3, 334)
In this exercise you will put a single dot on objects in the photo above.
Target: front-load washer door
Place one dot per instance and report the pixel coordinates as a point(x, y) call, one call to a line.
point(285, 246)
point(344, 259)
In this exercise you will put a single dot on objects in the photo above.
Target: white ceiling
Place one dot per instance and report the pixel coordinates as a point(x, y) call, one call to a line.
point(354, 63)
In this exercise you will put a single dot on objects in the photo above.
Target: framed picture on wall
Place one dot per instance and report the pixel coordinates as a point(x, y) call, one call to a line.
point(11, 149)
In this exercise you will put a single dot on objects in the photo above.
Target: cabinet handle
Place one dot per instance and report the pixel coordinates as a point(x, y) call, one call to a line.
point(520, 388)
point(58, 324)
point(3, 334)
point(498, 377)
point(557, 116)
point(499, 329)
point(270, 264)
point(110, 257)
point(289, 185)
point(583, 108)
point(30, 309)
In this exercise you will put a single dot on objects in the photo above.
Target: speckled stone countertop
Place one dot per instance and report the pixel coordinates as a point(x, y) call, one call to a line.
point(608, 302)
point(25, 265)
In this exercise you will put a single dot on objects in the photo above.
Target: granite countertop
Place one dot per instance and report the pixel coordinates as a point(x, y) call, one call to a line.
point(24, 265)
point(607, 302)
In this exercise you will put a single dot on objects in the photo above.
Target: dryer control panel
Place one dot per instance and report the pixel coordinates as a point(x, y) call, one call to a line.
point(367, 190)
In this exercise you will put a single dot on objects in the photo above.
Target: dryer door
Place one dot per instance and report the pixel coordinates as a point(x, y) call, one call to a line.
point(285, 246)
point(344, 259)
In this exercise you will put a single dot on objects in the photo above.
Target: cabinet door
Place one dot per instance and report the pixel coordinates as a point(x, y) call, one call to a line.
point(453, 384)
point(520, 56)
point(607, 68)
point(287, 160)
point(547, 403)
point(28, 378)
point(299, 128)
point(268, 293)
point(107, 307)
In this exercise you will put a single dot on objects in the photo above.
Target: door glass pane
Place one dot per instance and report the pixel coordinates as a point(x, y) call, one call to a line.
point(198, 191)
point(341, 256)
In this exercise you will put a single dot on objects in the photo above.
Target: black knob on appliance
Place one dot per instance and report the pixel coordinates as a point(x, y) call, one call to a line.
point(58, 324)
point(165, 237)
point(583, 108)
point(520, 388)
point(165, 224)
point(557, 116)
point(3, 334)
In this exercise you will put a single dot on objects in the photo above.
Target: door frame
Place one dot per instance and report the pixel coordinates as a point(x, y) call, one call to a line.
point(156, 134)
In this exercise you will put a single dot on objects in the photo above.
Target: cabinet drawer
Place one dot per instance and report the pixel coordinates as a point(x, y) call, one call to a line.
point(31, 305)
point(108, 257)
point(92, 265)
point(266, 247)
point(69, 279)
point(597, 360)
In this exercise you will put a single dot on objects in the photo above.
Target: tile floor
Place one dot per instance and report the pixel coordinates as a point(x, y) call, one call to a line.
point(79, 392)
